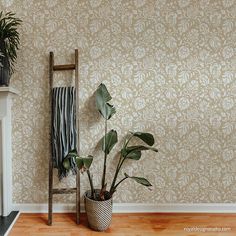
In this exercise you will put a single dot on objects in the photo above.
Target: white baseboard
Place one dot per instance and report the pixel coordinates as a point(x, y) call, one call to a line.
point(136, 208)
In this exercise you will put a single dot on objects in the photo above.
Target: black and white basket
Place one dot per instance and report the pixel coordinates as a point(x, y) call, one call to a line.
point(99, 213)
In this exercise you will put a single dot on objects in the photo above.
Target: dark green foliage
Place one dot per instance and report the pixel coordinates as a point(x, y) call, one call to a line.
point(9, 37)
point(83, 163)
point(139, 180)
point(109, 141)
point(102, 99)
point(133, 152)
point(146, 137)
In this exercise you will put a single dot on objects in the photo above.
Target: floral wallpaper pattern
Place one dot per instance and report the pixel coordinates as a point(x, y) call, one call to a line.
point(170, 67)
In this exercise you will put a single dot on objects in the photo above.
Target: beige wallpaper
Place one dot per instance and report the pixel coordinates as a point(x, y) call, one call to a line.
point(170, 66)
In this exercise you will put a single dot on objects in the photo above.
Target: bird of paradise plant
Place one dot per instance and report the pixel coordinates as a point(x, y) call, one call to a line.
point(128, 151)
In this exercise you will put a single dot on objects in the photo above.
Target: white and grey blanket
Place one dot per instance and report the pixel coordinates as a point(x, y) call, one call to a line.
point(64, 133)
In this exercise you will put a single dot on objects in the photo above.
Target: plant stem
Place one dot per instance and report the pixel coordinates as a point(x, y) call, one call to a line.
point(126, 142)
point(115, 176)
point(119, 183)
point(105, 158)
point(91, 185)
point(119, 165)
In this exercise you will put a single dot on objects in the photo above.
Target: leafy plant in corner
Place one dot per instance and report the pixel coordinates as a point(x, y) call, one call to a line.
point(109, 140)
point(9, 44)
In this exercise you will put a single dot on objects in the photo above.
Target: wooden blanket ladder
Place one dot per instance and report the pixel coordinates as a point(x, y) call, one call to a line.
point(52, 190)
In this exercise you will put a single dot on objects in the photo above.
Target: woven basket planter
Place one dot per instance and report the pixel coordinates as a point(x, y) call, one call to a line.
point(99, 213)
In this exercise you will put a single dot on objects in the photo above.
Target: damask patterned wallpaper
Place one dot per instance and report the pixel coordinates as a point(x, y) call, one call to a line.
point(170, 67)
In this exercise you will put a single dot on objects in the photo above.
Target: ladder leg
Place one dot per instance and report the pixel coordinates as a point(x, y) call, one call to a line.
point(50, 197)
point(50, 175)
point(77, 126)
point(78, 197)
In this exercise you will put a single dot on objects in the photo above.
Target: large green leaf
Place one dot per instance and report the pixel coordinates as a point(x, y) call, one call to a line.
point(102, 99)
point(146, 137)
point(84, 163)
point(140, 180)
point(108, 110)
point(66, 164)
point(102, 94)
point(81, 162)
point(130, 151)
point(134, 155)
point(109, 141)
point(87, 161)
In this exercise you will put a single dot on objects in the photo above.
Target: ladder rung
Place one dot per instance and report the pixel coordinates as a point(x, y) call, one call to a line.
point(63, 190)
point(64, 67)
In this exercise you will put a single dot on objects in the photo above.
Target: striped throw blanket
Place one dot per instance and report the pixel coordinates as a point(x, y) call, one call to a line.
point(64, 134)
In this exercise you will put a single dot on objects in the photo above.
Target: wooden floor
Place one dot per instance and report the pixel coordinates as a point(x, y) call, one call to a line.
point(170, 224)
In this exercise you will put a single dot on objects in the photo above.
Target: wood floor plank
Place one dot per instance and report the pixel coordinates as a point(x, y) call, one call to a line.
point(149, 224)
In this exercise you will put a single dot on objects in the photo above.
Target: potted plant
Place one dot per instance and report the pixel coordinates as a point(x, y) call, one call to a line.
point(98, 202)
point(9, 44)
